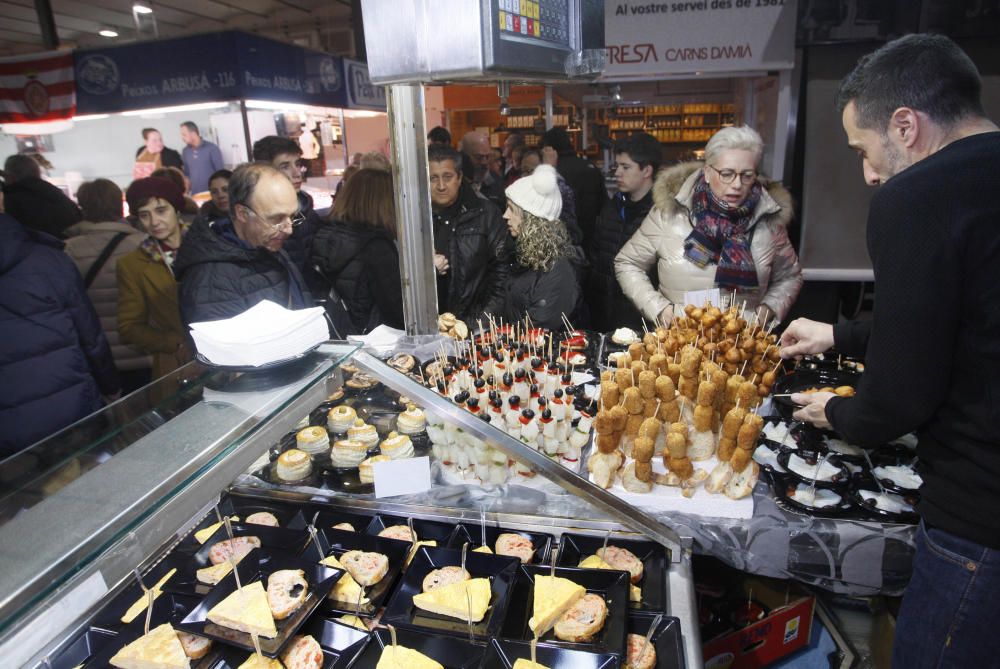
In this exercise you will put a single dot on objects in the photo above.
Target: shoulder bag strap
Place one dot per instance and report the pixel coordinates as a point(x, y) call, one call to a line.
point(103, 258)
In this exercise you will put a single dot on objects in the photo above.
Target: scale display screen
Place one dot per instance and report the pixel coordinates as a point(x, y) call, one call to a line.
point(539, 22)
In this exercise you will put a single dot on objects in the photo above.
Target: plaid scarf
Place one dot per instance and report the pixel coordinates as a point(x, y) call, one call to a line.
point(721, 235)
point(159, 251)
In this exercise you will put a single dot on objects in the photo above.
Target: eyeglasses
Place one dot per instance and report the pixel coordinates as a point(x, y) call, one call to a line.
point(728, 176)
point(296, 219)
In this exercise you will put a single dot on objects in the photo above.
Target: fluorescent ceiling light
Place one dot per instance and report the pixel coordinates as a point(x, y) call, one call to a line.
point(90, 117)
point(107, 32)
point(276, 106)
point(180, 108)
point(40, 128)
point(141, 8)
point(362, 113)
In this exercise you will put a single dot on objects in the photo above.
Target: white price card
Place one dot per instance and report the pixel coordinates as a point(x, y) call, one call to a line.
point(700, 297)
point(408, 476)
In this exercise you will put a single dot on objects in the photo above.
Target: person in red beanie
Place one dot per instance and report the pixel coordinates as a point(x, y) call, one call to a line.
point(148, 313)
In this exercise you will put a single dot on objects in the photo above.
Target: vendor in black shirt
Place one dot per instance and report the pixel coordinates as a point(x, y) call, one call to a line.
point(471, 244)
point(912, 111)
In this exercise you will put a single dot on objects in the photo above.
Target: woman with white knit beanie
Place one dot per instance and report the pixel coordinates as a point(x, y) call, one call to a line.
point(542, 283)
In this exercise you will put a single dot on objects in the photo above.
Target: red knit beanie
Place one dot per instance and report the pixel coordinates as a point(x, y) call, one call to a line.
point(141, 190)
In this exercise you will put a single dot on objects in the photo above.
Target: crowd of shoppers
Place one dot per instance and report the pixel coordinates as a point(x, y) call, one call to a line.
point(518, 231)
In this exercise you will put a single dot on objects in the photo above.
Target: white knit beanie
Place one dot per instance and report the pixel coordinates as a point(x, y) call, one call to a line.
point(538, 193)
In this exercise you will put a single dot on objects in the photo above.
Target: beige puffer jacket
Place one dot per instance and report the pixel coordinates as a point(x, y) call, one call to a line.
point(86, 242)
point(660, 240)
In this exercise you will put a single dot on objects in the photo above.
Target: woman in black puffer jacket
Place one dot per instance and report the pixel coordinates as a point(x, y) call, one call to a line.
point(543, 284)
point(355, 251)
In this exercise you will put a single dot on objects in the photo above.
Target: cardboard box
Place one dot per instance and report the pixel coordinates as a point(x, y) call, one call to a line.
point(785, 630)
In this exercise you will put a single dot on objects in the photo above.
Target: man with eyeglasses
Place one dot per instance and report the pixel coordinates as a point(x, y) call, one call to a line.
point(226, 266)
point(637, 158)
point(285, 155)
point(718, 224)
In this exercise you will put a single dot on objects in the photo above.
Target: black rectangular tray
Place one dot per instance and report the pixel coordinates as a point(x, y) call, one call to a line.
point(289, 517)
point(427, 530)
point(611, 585)
point(403, 614)
point(666, 639)
point(340, 644)
point(85, 646)
point(167, 608)
point(109, 617)
point(257, 566)
point(655, 562)
point(503, 653)
point(451, 652)
point(271, 538)
point(338, 542)
point(472, 533)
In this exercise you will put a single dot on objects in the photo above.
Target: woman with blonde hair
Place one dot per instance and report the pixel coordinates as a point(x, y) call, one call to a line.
point(542, 283)
point(355, 252)
point(717, 224)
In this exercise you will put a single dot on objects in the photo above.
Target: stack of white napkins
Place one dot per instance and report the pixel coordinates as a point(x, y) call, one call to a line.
point(380, 340)
point(260, 335)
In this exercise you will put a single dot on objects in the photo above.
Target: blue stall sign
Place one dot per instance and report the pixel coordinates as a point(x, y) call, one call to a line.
point(214, 67)
point(361, 92)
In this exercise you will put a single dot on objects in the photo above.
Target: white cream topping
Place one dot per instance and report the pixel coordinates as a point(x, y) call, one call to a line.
point(901, 475)
point(841, 446)
point(821, 471)
point(818, 498)
point(887, 501)
point(765, 456)
point(624, 336)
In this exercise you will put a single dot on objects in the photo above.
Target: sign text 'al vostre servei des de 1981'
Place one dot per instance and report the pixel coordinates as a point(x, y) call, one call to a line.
point(649, 38)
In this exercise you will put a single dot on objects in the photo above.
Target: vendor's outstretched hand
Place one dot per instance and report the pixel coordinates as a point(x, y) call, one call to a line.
point(805, 337)
point(813, 408)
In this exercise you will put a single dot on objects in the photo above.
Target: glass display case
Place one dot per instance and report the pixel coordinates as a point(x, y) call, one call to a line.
point(114, 498)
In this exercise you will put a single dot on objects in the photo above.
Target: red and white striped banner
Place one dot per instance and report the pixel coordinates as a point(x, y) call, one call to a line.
point(37, 87)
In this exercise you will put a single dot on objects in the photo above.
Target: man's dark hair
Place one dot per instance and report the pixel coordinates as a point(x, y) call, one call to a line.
point(192, 126)
point(20, 166)
point(220, 174)
point(558, 139)
point(438, 153)
point(927, 73)
point(439, 135)
point(643, 148)
point(244, 181)
point(266, 148)
point(100, 200)
point(516, 140)
point(146, 131)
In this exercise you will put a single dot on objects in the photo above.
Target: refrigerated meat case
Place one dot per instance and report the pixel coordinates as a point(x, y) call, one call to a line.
point(83, 510)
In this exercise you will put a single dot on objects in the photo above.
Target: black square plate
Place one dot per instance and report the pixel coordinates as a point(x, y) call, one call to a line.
point(288, 516)
point(473, 534)
point(500, 570)
point(427, 530)
point(338, 542)
point(166, 609)
point(450, 652)
point(340, 644)
point(83, 648)
point(666, 639)
point(577, 547)
point(257, 566)
point(109, 617)
point(503, 653)
point(611, 585)
point(329, 517)
point(279, 539)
